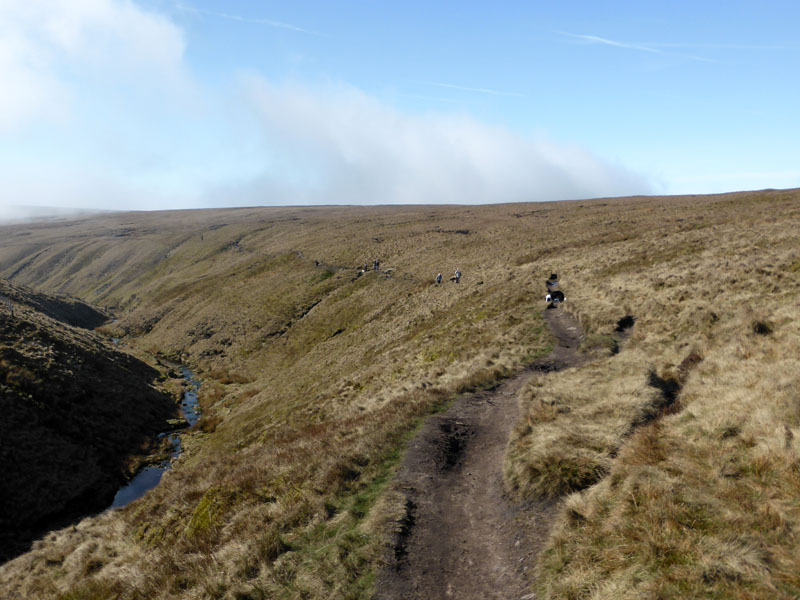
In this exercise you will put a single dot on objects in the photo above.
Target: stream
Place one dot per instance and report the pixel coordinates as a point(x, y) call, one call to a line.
point(149, 477)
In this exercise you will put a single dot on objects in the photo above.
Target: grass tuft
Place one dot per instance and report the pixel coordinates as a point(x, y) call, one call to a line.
point(319, 372)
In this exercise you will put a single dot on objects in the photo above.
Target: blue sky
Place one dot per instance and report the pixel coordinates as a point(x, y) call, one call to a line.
point(124, 104)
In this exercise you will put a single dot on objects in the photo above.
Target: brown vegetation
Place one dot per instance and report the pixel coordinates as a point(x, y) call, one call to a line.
point(73, 411)
point(324, 371)
point(313, 376)
point(689, 431)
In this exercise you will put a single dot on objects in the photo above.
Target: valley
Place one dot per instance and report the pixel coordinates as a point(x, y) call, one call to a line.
point(664, 456)
point(77, 415)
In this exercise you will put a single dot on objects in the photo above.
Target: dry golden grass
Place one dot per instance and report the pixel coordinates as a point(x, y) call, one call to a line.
point(66, 426)
point(313, 375)
point(322, 373)
point(573, 426)
point(698, 499)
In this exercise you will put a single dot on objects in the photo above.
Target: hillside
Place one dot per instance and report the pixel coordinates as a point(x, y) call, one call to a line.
point(679, 443)
point(74, 410)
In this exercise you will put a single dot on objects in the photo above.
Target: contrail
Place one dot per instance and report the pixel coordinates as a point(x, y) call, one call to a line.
point(465, 88)
point(651, 48)
point(241, 19)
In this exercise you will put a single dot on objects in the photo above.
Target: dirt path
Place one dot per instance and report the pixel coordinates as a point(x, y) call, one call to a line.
point(462, 537)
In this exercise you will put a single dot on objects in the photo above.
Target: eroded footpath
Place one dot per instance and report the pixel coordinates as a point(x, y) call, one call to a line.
point(462, 537)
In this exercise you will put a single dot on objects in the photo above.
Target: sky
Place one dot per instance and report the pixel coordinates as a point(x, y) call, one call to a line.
point(155, 104)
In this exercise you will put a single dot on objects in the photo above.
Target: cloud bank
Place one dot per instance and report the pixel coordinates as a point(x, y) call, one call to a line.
point(49, 47)
point(337, 144)
point(93, 114)
point(21, 214)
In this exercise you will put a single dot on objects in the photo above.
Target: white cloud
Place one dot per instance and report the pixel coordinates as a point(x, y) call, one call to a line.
point(73, 187)
point(88, 90)
point(336, 144)
point(19, 214)
point(84, 123)
point(47, 46)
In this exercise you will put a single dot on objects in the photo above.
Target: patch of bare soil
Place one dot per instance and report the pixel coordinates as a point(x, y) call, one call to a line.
point(462, 537)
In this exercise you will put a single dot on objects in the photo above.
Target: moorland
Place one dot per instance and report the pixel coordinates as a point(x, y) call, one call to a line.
point(79, 415)
point(673, 457)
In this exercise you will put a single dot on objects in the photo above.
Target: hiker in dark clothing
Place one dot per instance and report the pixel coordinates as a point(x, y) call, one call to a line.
point(439, 278)
point(554, 295)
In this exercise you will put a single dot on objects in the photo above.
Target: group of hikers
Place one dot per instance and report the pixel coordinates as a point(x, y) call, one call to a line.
point(376, 266)
point(456, 277)
point(553, 298)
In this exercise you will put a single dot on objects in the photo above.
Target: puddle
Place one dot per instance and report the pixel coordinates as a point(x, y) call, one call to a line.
point(150, 477)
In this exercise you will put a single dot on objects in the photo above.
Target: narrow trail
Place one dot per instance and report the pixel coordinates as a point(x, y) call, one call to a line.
point(462, 537)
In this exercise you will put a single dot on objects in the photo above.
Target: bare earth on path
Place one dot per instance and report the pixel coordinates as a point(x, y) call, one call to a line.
point(462, 537)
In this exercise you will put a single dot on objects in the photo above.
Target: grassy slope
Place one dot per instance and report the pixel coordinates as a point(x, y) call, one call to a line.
point(314, 376)
point(697, 497)
point(68, 426)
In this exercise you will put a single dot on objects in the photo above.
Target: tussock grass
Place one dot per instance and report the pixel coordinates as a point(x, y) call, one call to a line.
point(684, 442)
point(574, 424)
point(313, 373)
point(323, 372)
point(704, 504)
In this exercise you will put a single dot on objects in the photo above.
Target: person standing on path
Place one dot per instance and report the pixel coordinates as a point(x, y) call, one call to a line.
point(554, 295)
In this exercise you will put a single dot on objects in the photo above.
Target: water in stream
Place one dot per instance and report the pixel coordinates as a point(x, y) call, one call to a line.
point(149, 477)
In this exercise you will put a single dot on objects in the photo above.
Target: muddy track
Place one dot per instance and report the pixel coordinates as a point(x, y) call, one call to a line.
point(461, 537)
